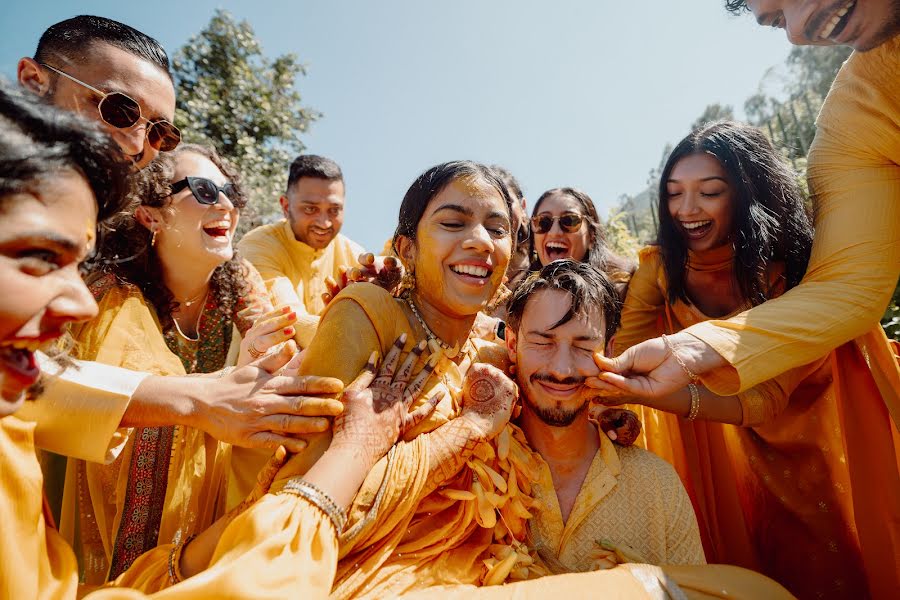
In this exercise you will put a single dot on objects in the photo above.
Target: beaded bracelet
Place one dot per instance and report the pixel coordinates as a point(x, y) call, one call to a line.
point(320, 499)
point(175, 560)
point(687, 371)
point(695, 402)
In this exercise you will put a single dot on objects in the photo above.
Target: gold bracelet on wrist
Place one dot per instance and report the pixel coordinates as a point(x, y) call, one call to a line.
point(684, 367)
point(175, 574)
point(319, 499)
point(695, 402)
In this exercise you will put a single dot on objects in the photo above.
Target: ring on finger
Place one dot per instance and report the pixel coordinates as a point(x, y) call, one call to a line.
point(254, 352)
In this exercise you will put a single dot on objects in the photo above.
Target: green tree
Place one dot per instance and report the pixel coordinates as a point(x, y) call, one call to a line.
point(714, 112)
point(232, 97)
point(619, 237)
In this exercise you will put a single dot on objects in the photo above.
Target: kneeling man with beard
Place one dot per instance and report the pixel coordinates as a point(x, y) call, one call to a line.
point(600, 501)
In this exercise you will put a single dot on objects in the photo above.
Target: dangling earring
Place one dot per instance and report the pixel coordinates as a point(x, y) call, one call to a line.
point(500, 297)
point(153, 237)
point(407, 283)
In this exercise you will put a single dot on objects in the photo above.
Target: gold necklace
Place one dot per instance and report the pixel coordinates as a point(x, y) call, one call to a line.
point(196, 324)
point(203, 292)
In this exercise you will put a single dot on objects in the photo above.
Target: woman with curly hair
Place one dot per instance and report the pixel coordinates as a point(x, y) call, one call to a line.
point(169, 287)
point(781, 475)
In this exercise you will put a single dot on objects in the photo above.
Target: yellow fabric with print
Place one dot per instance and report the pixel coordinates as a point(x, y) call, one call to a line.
point(630, 498)
point(126, 333)
point(808, 490)
point(854, 177)
point(282, 547)
point(282, 260)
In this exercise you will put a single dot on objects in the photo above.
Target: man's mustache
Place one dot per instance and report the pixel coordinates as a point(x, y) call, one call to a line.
point(547, 378)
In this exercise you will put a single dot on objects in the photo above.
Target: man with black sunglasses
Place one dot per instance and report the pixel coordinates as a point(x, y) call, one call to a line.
point(115, 74)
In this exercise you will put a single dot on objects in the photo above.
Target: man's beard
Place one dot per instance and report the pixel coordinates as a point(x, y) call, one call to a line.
point(890, 29)
point(552, 416)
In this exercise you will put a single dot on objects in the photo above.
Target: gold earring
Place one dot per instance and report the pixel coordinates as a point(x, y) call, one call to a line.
point(153, 237)
point(407, 283)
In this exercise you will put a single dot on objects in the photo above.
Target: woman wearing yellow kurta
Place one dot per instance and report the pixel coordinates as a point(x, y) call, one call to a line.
point(774, 472)
point(167, 482)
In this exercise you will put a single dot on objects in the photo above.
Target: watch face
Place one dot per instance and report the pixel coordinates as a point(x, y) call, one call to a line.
point(501, 330)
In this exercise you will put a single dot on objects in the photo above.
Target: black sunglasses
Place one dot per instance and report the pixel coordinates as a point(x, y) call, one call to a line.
point(206, 191)
point(122, 111)
point(569, 222)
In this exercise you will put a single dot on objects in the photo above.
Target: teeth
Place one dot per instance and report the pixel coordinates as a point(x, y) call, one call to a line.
point(556, 246)
point(30, 345)
point(470, 270)
point(218, 225)
point(829, 27)
point(694, 224)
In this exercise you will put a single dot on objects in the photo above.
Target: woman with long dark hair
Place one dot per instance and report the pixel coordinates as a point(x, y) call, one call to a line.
point(769, 470)
point(565, 224)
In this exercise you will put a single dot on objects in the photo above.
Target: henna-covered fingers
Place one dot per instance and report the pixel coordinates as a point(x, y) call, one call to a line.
point(418, 383)
point(412, 359)
point(364, 379)
point(411, 420)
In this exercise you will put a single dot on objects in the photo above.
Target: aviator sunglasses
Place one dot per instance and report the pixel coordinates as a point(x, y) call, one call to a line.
point(123, 111)
point(206, 191)
point(569, 222)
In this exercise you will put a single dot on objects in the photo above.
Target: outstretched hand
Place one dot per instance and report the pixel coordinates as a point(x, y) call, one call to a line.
point(377, 404)
point(383, 271)
point(488, 398)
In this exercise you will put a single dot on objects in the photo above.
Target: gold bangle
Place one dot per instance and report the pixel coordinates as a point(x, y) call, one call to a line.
point(319, 499)
point(695, 402)
point(175, 575)
point(671, 347)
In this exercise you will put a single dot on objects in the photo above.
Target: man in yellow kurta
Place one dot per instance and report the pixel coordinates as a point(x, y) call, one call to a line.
point(627, 498)
point(854, 177)
point(298, 253)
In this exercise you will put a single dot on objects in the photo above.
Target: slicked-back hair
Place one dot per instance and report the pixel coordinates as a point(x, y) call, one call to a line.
point(430, 183)
point(736, 6)
point(317, 167)
point(768, 214)
point(72, 38)
point(588, 287)
point(38, 141)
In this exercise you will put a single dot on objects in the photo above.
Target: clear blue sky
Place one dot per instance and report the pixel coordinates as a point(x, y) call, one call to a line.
point(582, 93)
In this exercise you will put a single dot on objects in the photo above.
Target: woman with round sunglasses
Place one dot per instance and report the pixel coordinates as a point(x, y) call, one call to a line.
point(171, 291)
point(565, 224)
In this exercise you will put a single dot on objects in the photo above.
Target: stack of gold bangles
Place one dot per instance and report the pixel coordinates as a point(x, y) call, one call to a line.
point(319, 499)
point(692, 386)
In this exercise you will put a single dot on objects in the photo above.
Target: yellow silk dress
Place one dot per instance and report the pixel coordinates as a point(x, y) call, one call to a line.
point(165, 483)
point(282, 260)
point(807, 491)
point(287, 544)
point(854, 177)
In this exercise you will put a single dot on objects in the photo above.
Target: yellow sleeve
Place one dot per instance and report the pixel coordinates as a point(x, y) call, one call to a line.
point(683, 545)
point(765, 401)
point(280, 547)
point(264, 251)
point(79, 412)
point(854, 175)
point(644, 303)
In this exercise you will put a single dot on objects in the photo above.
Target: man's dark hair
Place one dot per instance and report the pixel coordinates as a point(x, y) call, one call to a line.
point(511, 182)
point(587, 286)
point(38, 141)
point(73, 37)
point(317, 167)
point(736, 6)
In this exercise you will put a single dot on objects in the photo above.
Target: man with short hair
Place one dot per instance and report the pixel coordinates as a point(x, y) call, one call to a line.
point(86, 64)
point(299, 253)
point(590, 489)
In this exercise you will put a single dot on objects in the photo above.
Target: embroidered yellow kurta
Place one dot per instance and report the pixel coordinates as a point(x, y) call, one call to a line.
point(281, 259)
point(281, 547)
point(629, 496)
point(808, 491)
point(854, 177)
point(188, 490)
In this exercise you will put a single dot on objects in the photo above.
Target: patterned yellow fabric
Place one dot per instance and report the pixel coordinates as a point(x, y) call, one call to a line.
point(854, 175)
point(281, 259)
point(281, 546)
point(126, 333)
point(810, 494)
point(629, 496)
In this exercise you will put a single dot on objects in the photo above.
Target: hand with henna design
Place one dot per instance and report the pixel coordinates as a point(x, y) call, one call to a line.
point(488, 398)
point(377, 405)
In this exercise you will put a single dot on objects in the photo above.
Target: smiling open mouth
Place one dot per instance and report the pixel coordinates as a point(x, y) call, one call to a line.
point(556, 250)
point(218, 229)
point(472, 272)
point(19, 360)
point(838, 21)
point(696, 229)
